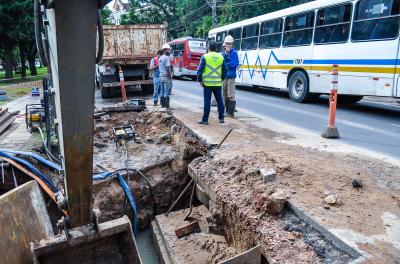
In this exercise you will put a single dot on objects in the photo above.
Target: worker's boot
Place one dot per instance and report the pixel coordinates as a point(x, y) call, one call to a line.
point(167, 102)
point(226, 106)
point(229, 109)
point(162, 100)
point(233, 108)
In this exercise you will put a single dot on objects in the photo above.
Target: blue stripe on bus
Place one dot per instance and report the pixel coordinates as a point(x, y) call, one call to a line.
point(358, 62)
point(311, 62)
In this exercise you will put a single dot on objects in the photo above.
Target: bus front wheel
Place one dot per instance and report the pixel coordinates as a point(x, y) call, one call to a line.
point(299, 88)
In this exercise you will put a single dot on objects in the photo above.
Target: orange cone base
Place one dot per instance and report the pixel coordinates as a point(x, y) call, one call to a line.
point(330, 132)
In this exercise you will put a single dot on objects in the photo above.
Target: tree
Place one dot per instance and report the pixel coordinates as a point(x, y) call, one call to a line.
point(105, 15)
point(8, 33)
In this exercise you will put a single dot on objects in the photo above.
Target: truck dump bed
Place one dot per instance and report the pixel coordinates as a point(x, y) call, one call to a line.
point(133, 44)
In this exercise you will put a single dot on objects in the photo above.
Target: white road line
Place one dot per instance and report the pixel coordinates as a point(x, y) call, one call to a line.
point(395, 125)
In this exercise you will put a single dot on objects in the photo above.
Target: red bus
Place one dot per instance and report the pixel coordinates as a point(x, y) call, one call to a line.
point(185, 56)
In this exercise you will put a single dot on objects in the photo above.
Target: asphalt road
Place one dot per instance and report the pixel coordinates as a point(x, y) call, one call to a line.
point(371, 125)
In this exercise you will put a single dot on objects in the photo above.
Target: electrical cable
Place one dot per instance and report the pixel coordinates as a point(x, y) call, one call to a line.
point(48, 152)
point(100, 48)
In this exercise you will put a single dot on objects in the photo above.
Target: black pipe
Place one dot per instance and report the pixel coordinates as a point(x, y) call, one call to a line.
point(38, 22)
point(100, 48)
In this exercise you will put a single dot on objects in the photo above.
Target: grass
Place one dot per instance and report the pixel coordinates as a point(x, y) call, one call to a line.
point(16, 92)
point(17, 77)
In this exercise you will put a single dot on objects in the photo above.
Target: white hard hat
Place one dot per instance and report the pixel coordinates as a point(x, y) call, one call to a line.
point(228, 39)
point(166, 46)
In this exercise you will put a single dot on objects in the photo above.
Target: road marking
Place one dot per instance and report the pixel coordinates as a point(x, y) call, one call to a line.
point(395, 125)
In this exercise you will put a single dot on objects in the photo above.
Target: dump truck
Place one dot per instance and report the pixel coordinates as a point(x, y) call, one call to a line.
point(129, 48)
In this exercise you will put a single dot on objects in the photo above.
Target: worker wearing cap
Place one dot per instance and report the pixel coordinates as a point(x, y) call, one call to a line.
point(211, 72)
point(232, 61)
point(164, 65)
point(156, 76)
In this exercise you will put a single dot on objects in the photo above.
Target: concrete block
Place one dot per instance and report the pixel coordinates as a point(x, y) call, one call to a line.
point(268, 175)
point(24, 218)
point(187, 229)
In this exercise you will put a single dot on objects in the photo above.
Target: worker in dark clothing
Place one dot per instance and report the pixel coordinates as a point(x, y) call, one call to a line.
point(211, 72)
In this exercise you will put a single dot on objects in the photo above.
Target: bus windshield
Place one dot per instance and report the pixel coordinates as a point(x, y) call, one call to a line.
point(197, 46)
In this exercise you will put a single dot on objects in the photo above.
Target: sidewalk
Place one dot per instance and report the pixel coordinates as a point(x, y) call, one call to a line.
point(17, 136)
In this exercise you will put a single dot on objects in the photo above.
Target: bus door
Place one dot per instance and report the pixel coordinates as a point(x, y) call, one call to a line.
point(178, 59)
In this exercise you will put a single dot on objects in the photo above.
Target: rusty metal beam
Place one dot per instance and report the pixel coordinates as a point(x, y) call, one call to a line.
point(72, 40)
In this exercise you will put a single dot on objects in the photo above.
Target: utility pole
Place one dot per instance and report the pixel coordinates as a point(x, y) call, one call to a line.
point(214, 13)
point(213, 6)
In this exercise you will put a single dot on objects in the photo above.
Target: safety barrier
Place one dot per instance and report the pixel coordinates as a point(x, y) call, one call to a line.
point(20, 87)
point(331, 131)
point(122, 80)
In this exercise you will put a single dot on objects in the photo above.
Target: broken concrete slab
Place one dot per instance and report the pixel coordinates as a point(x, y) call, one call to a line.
point(24, 218)
point(267, 175)
point(187, 229)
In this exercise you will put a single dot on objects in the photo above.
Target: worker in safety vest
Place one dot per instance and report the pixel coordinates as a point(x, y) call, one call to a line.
point(232, 61)
point(156, 76)
point(211, 72)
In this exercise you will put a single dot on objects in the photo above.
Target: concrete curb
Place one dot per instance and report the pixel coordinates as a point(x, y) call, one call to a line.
point(337, 242)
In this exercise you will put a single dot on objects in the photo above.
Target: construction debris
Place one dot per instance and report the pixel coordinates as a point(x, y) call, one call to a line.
point(6, 119)
point(357, 183)
point(267, 175)
point(187, 229)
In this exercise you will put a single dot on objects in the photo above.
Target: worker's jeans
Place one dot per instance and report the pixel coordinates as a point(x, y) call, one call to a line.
point(166, 86)
point(207, 91)
point(157, 84)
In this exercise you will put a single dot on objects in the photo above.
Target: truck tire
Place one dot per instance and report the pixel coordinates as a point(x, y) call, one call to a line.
point(299, 88)
point(148, 89)
point(105, 91)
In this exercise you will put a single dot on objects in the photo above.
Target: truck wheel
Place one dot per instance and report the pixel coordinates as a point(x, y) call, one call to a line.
point(105, 91)
point(148, 89)
point(299, 88)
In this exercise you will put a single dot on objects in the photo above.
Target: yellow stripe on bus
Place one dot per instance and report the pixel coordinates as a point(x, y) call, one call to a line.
point(328, 68)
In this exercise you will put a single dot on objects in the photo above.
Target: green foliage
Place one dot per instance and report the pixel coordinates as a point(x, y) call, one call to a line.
point(105, 15)
point(193, 17)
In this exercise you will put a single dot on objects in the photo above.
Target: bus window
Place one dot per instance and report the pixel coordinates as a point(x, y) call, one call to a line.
point(220, 39)
point(271, 34)
point(298, 29)
point(178, 51)
point(250, 37)
point(376, 19)
point(236, 34)
point(333, 24)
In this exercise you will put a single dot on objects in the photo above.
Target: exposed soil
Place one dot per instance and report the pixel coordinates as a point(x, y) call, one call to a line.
point(162, 155)
point(366, 218)
point(197, 248)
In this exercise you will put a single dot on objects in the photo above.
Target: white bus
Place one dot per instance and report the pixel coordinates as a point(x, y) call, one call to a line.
point(294, 49)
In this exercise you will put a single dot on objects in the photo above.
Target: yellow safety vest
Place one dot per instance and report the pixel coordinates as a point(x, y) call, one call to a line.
point(213, 69)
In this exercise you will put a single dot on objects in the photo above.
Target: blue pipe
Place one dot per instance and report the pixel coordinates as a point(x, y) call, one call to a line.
point(100, 176)
point(128, 193)
point(131, 201)
point(33, 169)
point(36, 157)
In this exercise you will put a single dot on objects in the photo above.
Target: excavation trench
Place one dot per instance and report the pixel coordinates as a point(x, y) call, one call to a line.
point(163, 159)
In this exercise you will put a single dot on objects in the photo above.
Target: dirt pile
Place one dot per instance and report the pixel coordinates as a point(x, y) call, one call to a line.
point(243, 207)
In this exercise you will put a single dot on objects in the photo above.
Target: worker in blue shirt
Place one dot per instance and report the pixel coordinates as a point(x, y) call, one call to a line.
point(229, 87)
point(210, 73)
